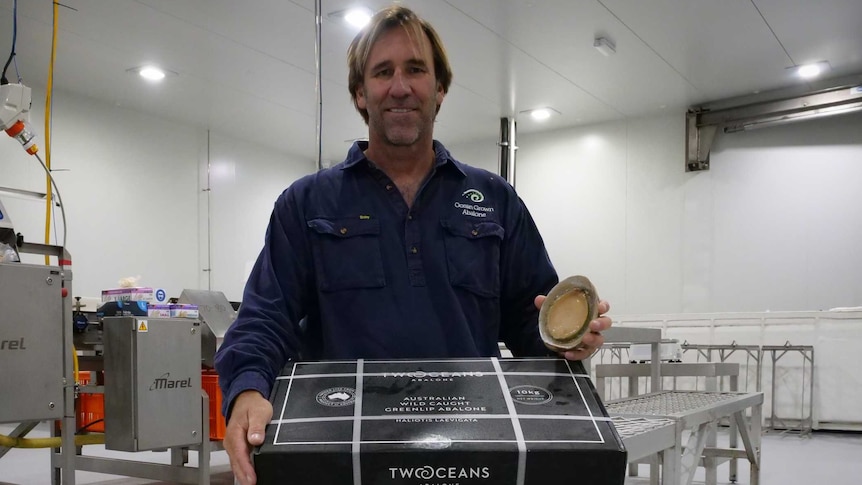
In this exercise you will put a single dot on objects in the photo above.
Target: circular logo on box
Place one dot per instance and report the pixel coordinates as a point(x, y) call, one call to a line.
point(531, 395)
point(336, 396)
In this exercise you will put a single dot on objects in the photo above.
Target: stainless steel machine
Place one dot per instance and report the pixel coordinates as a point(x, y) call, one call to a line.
point(152, 383)
point(152, 376)
point(32, 319)
point(217, 314)
point(152, 367)
point(36, 372)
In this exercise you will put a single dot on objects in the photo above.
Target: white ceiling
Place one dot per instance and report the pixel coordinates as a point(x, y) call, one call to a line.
point(248, 67)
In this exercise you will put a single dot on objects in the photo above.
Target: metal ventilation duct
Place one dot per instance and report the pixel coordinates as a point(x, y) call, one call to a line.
point(702, 124)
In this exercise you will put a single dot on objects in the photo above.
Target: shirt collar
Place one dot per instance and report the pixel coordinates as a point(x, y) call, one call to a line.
point(356, 154)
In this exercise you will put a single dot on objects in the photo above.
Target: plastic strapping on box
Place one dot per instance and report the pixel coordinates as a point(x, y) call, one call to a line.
point(439, 416)
point(384, 374)
point(519, 433)
point(584, 400)
point(357, 424)
point(284, 404)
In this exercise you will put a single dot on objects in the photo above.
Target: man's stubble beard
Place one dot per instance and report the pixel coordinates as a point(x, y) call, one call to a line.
point(398, 135)
point(401, 135)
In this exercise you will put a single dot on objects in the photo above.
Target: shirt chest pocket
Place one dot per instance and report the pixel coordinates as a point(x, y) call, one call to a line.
point(473, 255)
point(347, 253)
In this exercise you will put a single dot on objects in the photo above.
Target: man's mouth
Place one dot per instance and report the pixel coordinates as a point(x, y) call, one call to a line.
point(400, 110)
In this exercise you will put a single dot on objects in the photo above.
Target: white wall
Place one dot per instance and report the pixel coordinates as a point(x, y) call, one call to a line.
point(245, 179)
point(117, 160)
point(835, 336)
point(788, 217)
point(776, 222)
point(134, 196)
point(482, 154)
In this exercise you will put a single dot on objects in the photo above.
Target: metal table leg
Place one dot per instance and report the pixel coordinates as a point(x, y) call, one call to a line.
point(732, 474)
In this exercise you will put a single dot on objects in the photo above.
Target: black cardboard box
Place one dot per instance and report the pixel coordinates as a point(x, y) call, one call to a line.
point(439, 422)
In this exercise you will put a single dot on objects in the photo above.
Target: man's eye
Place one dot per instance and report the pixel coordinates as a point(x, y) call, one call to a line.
point(383, 73)
point(417, 69)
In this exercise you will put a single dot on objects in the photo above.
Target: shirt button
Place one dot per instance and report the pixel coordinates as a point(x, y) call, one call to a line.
point(409, 217)
point(343, 230)
point(388, 186)
point(414, 250)
point(475, 232)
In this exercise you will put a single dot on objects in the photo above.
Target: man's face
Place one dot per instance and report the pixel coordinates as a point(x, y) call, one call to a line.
point(399, 90)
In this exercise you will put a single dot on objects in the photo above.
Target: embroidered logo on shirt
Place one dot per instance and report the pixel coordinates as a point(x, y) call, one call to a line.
point(474, 210)
point(474, 195)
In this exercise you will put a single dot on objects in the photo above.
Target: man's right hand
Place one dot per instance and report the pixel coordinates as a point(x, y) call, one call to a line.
point(250, 415)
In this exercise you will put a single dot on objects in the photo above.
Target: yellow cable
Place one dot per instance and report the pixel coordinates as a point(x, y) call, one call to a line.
point(55, 442)
point(75, 366)
point(48, 90)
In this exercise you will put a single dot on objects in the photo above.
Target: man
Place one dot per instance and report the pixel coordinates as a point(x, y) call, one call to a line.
point(398, 252)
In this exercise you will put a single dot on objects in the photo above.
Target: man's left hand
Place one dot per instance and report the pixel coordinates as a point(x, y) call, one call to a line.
point(593, 339)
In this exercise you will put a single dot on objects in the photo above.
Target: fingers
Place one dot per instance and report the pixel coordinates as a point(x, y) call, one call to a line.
point(579, 354)
point(538, 301)
point(238, 451)
point(258, 416)
point(246, 428)
point(604, 307)
point(593, 340)
point(601, 324)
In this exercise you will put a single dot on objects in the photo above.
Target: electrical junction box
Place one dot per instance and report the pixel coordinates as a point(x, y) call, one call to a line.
point(433, 422)
point(31, 342)
point(152, 383)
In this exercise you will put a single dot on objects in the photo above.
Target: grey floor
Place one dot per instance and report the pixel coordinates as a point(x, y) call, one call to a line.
point(822, 459)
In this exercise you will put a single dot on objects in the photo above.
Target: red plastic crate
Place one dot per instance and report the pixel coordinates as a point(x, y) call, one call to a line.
point(209, 382)
point(90, 407)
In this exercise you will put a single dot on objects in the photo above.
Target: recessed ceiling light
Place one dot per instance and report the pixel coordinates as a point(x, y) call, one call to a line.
point(809, 71)
point(357, 17)
point(541, 114)
point(151, 73)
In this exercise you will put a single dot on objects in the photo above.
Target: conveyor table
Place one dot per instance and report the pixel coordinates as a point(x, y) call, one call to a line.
point(647, 438)
point(699, 412)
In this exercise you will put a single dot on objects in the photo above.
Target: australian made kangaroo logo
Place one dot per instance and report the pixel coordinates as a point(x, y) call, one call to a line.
point(336, 397)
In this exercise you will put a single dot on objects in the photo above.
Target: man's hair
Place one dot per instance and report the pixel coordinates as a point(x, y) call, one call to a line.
point(384, 20)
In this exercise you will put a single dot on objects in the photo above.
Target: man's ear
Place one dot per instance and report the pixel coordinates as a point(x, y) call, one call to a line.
point(360, 97)
point(440, 94)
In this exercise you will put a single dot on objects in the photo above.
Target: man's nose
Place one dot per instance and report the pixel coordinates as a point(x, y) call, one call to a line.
point(400, 84)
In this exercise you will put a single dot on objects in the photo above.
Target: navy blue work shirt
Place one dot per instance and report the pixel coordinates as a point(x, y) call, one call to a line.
point(349, 271)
